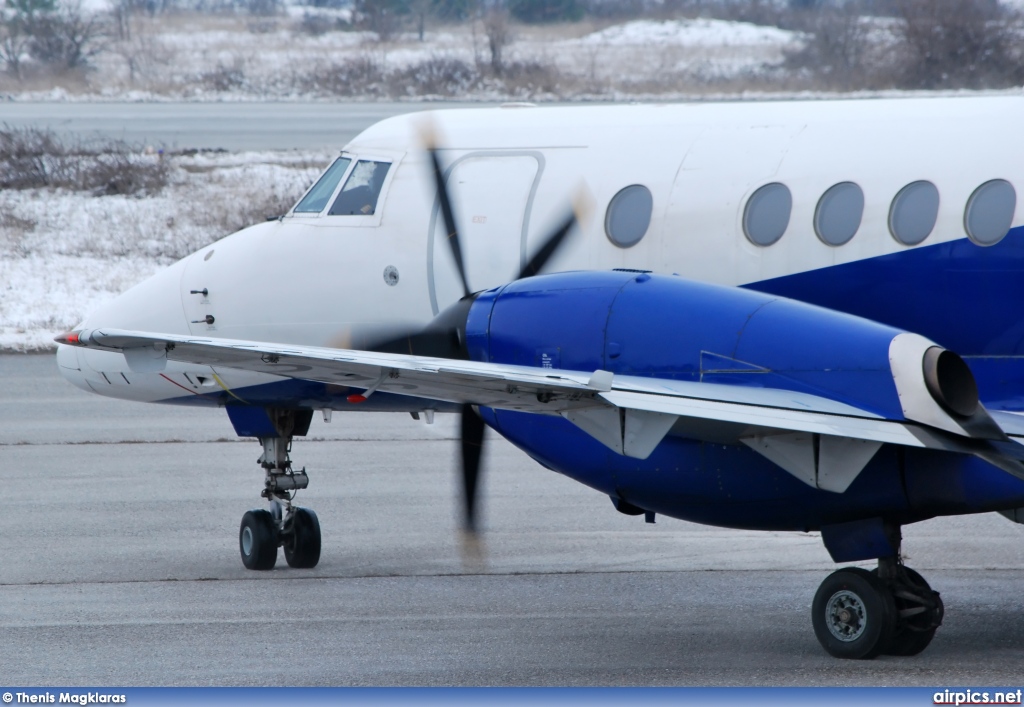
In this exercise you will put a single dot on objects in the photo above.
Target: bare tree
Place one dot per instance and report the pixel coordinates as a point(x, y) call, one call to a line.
point(837, 46)
point(68, 37)
point(121, 14)
point(498, 28)
point(958, 44)
point(144, 54)
point(420, 10)
point(382, 17)
point(17, 19)
point(759, 12)
point(264, 8)
point(14, 45)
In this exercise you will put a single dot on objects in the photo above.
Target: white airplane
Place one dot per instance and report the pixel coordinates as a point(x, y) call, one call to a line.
point(785, 316)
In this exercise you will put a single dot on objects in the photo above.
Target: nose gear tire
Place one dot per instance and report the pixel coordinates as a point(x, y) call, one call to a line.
point(302, 544)
point(257, 540)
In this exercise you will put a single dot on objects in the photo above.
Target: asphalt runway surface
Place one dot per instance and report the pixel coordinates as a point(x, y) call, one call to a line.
point(119, 566)
point(228, 126)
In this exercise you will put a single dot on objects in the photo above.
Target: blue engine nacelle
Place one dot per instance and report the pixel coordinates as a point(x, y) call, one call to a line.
point(640, 324)
point(674, 328)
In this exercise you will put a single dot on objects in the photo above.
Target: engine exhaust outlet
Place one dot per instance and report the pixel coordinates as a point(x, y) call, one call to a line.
point(950, 382)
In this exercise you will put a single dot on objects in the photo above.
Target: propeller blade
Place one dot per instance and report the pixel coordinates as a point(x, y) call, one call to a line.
point(449, 217)
point(444, 337)
point(541, 257)
point(582, 207)
point(436, 344)
point(472, 449)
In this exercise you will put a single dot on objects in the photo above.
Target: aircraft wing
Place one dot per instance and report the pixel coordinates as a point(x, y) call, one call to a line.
point(822, 442)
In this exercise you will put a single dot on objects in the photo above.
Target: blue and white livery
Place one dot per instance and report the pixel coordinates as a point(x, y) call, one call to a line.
point(779, 316)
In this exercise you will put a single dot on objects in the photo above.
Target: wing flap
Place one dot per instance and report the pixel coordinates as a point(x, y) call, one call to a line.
point(766, 418)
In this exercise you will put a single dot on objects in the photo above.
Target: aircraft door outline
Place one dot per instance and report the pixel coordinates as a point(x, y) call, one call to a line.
point(435, 216)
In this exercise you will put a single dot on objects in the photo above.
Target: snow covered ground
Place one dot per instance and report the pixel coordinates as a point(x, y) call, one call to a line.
point(702, 50)
point(231, 57)
point(63, 253)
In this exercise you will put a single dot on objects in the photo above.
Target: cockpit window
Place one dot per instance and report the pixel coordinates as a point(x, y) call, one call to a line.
point(315, 201)
point(359, 195)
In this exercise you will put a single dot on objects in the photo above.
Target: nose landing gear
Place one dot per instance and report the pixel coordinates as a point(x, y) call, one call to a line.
point(285, 525)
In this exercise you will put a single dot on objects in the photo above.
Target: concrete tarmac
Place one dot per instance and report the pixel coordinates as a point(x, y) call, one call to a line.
point(119, 566)
point(228, 126)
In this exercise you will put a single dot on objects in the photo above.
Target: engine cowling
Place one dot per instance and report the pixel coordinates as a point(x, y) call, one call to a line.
point(641, 324)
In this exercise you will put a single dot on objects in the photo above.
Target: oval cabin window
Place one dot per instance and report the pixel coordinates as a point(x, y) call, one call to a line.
point(766, 215)
point(838, 215)
point(989, 212)
point(629, 215)
point(913, 212)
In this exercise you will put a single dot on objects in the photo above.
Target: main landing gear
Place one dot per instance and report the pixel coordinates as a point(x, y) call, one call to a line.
point(890, 611)
point(295, 529)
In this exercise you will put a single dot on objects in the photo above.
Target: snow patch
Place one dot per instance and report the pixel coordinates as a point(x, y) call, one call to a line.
point(45, 295)
point(698, 32)
point(63, 253)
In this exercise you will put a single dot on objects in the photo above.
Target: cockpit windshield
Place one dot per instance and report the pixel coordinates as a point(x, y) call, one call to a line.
point(316, 199)
point(359, 195)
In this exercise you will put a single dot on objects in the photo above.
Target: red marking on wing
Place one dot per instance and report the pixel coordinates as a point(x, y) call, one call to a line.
point(177, 384)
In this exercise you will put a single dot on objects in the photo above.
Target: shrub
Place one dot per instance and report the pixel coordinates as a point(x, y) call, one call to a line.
point(317, 24)
point(529, 78)
point(437, 76)
point(31, 158)
point(382, 17)
point(958, 44)
point(546, 10)
point(359, 76)
point(836, 49)
point(223, 78)
point(67, 38)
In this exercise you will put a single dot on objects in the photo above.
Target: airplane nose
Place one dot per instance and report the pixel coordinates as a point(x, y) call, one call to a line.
point(70, 368)
point(153, 305)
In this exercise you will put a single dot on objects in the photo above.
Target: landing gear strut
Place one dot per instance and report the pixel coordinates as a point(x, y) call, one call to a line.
point(860, 614)
point(285, 525)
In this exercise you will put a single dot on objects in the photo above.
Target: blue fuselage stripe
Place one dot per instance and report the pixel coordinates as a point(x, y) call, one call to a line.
point(965, 297)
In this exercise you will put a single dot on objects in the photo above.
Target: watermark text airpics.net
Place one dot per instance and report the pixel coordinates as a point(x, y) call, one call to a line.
point(978, 697)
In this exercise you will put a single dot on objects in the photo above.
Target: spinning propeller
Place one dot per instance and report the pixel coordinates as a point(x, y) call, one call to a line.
point(445, 336)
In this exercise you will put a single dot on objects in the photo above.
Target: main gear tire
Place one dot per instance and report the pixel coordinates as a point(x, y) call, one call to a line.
point(853, 614)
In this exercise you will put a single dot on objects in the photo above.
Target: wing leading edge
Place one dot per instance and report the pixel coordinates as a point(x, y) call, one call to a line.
point(822, 442)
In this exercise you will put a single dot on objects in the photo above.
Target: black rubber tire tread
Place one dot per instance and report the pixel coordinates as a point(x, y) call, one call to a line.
point(905, 641)
point(880, 608)
point(302, 549)
point(263, 552)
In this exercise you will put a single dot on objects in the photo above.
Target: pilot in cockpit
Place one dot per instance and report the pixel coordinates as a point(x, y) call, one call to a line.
point(359, 195)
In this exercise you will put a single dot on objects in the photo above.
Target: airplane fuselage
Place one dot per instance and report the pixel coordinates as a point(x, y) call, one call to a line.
point(816, 323)
point(870, 207)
